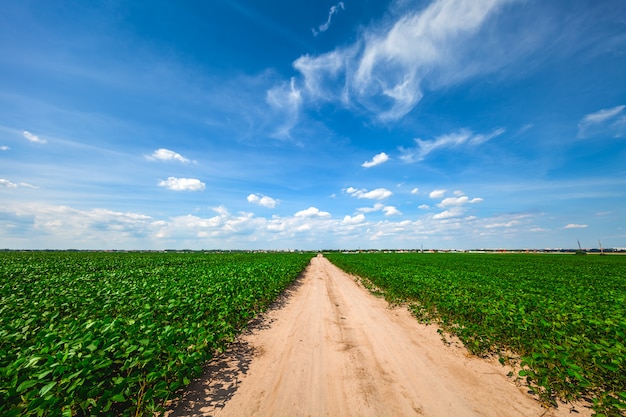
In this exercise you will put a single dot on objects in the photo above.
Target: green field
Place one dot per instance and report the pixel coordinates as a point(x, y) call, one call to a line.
point(120, 333)
point(564, 315)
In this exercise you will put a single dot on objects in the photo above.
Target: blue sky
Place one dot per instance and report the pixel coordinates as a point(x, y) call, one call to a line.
point(279, 124)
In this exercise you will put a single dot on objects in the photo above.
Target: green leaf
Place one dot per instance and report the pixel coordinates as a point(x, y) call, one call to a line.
point(47, 388)
point(26, 385)
point(118, 398)
point(44, 373)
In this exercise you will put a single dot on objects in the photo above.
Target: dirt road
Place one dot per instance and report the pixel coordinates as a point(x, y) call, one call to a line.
point(333, 349)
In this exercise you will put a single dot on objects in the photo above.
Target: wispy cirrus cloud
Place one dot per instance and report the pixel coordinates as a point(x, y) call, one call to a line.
point(386, 69)
point(182, 184)
point(4, 183)
point(163, 154)
point(285, 100)
point(575, 226)
point(463, 137)
point(611, 121)
point(324, 26)
point(262, 200)
point(33, 138)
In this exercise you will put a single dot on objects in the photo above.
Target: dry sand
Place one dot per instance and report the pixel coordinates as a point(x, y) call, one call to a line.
point(334, 349)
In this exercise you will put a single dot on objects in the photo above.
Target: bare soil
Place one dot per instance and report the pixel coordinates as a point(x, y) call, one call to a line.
point(330, 348)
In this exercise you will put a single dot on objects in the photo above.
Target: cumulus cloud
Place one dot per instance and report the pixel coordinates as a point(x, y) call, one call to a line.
point(376, 207)
point(415, 190)
point(324, 26)
point(575, 226)
point(391, 211)
point(163, 154)
point(437, 193)
point(377, 194)
point(450, 140)
point(312, 212)
point(611, 121)
point(4, 148)
point(454, 205)
point(359, 218)
point(451, 213)
point(378, 159)
point(63, 227)
point(423, 206)
point(458, 201)
point(388, 210)
point(183, 184)
point(33, 138)
point(262, 200)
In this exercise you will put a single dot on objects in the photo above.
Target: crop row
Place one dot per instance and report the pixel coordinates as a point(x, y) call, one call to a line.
point(565, 316)
point(118, 334)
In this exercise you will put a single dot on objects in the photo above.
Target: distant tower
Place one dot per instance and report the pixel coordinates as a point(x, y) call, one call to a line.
point(580, 250)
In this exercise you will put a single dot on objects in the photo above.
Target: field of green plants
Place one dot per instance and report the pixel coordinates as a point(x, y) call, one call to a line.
point(119, 333)
point(564, 315)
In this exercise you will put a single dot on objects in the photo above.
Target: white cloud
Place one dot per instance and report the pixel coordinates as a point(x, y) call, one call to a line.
point(182, 184)
point(359, 218)
point(286, 100)
point(423, 206)
point(262, 200)
point(415, 190)
point(377, 194)
point(437, 193)
point(33, 138)
point(324, 26)
point(507, 224)
point(451, 213)
point(4, 148)
point(63, 227)
point(377, 207)
point(7, 184)
point(391, 211)
point(458, 201)
point(451, 140)
point(386, 69)
point(605, 121)
point(602, 115)
point(388, 210)
point(312, 212)
point(378, 159)
point(575, 226)
point(66, 227)
point(167, 155)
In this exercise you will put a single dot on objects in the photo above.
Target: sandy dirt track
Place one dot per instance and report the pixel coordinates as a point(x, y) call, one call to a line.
point(333, 349)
